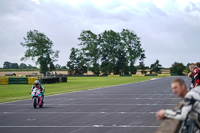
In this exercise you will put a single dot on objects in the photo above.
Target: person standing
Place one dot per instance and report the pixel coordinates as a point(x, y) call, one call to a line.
point(190, 75)
point(195, 71)
point(198, 65)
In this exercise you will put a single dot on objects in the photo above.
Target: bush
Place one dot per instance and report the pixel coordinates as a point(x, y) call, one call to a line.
point(177, 68)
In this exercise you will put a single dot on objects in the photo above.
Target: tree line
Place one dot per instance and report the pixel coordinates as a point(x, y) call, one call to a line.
point(9, 65)
point(107, 52)
point(156, 67)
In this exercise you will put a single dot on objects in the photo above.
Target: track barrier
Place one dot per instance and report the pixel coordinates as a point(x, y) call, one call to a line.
point(49, 80)
point(174, 74)
point(63, 79)
point(31, 80)
point(151, 74)
point(18, 80)
point(134, 75)
point(3, 80)
point(126, 75)
point(164, 74)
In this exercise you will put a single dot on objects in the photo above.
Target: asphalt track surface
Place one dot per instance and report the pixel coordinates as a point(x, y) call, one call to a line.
point(126, 108)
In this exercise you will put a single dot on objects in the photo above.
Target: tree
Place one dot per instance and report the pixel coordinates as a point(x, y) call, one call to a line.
point(187, 70)
point(64, 67)
point(73, 61)
point(108, 52)
point(29, 66)
point(77, 64)
point(156, 67)
point(142, 65)
point(7, 65)
point(132, 46)
point(90, 48)
point(22, 66)
point(52, 67)
point(39, 48)
point(44, 66)
point(14, 66)
point(177, 68)
point(57, 66)
point(110, 44)
point(122, 63)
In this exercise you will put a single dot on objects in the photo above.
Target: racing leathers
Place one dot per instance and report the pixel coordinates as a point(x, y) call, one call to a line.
point(196, 77)
point(192, 84)
point(190, 108)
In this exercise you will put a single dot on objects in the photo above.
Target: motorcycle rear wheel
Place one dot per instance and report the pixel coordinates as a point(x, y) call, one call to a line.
point(41, 105)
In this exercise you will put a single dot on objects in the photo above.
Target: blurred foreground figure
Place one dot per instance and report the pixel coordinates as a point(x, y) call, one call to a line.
point(190, 105)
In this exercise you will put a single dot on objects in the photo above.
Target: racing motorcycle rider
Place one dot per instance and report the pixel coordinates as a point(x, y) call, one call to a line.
point(39, 86)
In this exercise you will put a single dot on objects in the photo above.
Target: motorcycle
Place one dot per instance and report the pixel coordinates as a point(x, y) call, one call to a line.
point(37, 97)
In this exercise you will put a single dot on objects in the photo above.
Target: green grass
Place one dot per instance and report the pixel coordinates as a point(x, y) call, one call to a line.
point(19, 92)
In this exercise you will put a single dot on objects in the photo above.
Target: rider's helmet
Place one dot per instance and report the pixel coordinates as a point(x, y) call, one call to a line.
point(37, 82)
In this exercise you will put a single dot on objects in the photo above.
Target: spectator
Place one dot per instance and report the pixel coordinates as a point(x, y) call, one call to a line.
point(190, 104)
point(198, 65)
point(190, 75)
point(195, 71)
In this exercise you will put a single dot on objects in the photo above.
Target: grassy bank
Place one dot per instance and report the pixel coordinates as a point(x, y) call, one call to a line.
point(18, 92)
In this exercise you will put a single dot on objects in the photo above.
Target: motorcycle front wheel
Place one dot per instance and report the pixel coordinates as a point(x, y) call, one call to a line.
point(35, 103)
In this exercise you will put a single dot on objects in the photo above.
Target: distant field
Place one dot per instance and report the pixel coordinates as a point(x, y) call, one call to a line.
point(18, 92)
point(13, 70)
point(26, 71)
point(19, 70)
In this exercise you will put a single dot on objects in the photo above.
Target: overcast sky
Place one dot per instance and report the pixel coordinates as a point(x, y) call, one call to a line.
point(169, 29)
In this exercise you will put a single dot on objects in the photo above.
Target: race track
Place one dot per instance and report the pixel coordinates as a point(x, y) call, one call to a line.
point(126, 108)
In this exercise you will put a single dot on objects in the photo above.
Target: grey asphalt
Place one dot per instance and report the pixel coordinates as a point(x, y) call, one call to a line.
point(126, 108)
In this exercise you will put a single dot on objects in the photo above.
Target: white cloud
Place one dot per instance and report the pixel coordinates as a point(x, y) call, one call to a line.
point(36, 1)
point(168, 29)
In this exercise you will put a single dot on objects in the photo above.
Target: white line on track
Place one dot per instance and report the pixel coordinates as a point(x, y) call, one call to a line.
point(117, 98)
point(97, 126)
point(99, 104)
point(88, 98)
point(123, 94)
point(93, 94)
point(154, 78)
point(78, 112)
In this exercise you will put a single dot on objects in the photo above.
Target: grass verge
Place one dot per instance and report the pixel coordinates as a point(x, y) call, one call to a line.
point(19, 92)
